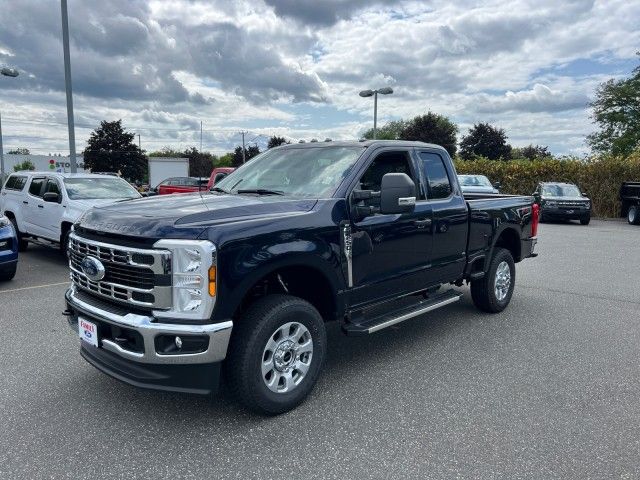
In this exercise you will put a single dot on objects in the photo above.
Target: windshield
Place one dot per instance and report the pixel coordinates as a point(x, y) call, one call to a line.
point(561, 191)
point(308, 172)
point(97, 188)
point(474, 181)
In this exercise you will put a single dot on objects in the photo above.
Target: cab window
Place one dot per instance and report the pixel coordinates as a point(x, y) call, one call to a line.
point(438, 182)
point(35, 188)
point(16, 182)
point(52, 186)
point(387, 162)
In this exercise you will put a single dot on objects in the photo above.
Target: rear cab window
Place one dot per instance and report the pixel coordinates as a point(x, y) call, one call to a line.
point(434, 169)
point(16, 183)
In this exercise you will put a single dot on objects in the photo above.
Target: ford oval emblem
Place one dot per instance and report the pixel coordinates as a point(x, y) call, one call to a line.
point(92, 268)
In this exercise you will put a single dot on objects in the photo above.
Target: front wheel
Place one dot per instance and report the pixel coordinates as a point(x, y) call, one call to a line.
point(492, 293)
point(22, 243)
point(276, 353)
point(8, 274)
point(633, 215)
point(585, 220)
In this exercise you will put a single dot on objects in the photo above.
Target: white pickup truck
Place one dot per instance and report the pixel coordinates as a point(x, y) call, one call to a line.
point(44, 205)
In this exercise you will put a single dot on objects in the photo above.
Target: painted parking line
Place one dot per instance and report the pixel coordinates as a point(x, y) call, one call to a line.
point(34, 287)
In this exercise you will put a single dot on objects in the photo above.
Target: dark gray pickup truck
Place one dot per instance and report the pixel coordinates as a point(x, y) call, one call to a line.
point(178, 291)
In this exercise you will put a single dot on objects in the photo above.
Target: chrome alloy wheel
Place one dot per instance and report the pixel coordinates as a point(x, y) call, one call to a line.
point(502, 281)
point(287, 357)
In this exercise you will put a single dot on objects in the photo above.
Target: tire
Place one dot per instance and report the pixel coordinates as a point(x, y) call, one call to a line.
point(483, 291)
point(269, 329)
point(22, 243)
point(633, 215)
point(6, 275)
point(64, 244)
point(585, 220)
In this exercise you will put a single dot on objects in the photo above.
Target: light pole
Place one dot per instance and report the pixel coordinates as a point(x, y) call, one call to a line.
point(374, 94)
point(67, 83)
point(7, 72)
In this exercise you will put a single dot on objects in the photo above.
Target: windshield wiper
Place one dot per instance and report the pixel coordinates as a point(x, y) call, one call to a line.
point(261, 191)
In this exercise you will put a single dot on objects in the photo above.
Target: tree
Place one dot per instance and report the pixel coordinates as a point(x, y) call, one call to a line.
point(19, 151)
point(225, 160)
point(616, 111)
point(390, 131)
point(200, 163)
point(531, 152)
point(166, 152)
point(249, 153)
point(276, 141)
point(486, 141)
point(432, 128)
point(111, 149)
point(26, 165)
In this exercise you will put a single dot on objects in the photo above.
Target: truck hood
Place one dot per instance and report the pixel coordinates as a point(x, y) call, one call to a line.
point(187, 215)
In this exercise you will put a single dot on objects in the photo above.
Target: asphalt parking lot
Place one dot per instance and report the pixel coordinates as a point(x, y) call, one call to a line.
point(550, 388)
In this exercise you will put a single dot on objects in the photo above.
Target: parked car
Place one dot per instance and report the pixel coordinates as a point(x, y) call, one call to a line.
point(218, 174)
point(477, 184)
point(562, 201)
point(44, 205)
point(8, 249)
point(630, 198)
point(181, 185)
point(244, 277)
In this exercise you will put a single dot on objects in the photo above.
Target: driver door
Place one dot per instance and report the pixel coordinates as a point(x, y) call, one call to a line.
point(52, 211)
point(390, 252)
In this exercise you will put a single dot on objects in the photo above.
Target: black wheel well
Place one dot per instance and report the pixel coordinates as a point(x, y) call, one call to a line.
point(64, 228)
point(9, 214)
point(301, 281)
point(510, 239)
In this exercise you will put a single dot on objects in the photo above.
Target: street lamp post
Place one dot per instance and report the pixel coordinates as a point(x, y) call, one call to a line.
point(7, 72)
point(374, 94)
point(67, 83)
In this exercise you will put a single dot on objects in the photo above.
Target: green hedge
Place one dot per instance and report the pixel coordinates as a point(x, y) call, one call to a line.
point(600, 177)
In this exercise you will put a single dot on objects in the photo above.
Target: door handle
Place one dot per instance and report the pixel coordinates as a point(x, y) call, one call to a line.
point(40, 206)
point(25, 202)
point(422, 223)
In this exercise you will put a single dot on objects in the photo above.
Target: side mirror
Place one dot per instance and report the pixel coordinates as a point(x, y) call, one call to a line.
point(584, 194)
point(497, 185)
point(397, 193)
point(52, 197)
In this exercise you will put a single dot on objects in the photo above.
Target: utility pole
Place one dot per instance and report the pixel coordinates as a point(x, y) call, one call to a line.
point(375, 114)
point(244, 159)
point(200, 135)
point(67, 82)
point(139, 143)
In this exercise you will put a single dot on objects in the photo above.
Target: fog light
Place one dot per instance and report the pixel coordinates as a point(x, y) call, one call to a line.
point(178, 343)
point(181, 345)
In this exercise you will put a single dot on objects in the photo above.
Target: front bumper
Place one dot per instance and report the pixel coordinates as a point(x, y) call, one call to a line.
point(129, 349)
point(565, 213)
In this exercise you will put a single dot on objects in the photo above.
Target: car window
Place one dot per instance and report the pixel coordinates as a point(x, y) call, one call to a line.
point(16, 182)
point(436, 173)
point(387, 162)
point(218, 177)
point(35, 188)
point(52, 186)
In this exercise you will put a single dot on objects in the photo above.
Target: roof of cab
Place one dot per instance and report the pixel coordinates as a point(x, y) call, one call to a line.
point(63, 175)
point(361, 143)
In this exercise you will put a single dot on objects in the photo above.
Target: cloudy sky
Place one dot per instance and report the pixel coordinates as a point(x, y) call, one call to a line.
point(294, 67)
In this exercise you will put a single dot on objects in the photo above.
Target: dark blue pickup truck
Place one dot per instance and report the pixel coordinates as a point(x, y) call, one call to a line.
point(181, 291)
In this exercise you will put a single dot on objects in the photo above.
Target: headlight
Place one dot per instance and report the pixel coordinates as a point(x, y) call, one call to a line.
point(587, 205)
point(4, 221)
point(550, 204)
point(193, 275)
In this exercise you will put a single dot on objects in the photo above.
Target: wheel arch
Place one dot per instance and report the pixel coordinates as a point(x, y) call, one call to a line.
point(509, 238)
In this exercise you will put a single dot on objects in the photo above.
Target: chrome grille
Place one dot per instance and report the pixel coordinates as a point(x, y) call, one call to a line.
point(136, 276)
point(572, 204)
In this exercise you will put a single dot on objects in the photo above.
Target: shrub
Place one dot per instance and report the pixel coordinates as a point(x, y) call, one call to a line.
point(599, 177)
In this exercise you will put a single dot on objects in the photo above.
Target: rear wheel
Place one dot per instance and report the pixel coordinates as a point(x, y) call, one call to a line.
point(276, 354)
point(22, 243)
point(492, 293)
point(633, 215)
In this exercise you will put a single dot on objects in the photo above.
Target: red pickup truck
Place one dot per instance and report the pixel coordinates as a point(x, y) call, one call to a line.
point(192, 184)
point(218, 174)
